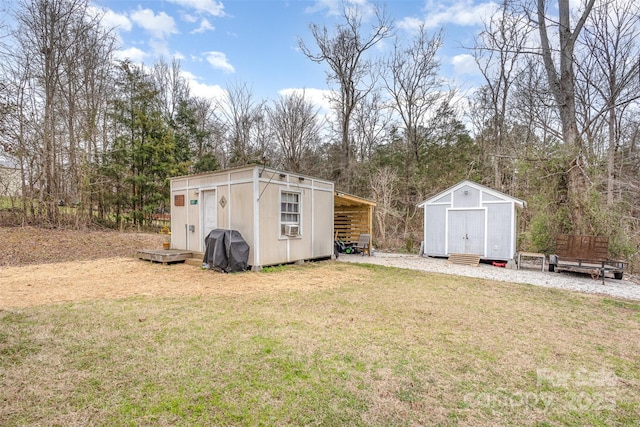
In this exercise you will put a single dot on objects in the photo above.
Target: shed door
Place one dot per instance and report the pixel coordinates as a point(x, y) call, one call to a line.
point(209, 214)
point(466, 231)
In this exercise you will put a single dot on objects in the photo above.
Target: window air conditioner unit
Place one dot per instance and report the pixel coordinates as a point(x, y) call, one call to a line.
point(292, 230)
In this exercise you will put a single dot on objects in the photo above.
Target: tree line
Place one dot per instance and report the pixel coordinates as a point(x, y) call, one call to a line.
point(554, 123)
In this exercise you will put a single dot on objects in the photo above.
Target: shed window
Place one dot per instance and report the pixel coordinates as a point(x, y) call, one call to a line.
point(289, 213)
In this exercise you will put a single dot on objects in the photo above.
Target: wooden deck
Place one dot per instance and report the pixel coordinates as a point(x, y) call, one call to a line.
point(165, 256)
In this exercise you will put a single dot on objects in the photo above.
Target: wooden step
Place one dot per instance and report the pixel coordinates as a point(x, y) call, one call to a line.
point(194, 261)
point(465, 259)
point(165, 256)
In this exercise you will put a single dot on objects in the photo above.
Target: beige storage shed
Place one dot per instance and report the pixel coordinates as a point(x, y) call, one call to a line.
point(283, 216)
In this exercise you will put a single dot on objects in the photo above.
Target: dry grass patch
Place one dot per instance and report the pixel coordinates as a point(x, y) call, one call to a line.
point(327, 343)
point(126, 277)
point(36, 246)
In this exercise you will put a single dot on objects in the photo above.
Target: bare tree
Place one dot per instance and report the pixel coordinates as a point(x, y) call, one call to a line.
point(84, 89)
point(296, 126)
point(52, 37)
point(240, 115)
point(610, 75)
point(413, 84)
point(370, 124)
point(94, 95)
point(345, 52)
point(384, 186)
point(497, 52)
point(208, 125)
point(172, 87)
point(562, 82)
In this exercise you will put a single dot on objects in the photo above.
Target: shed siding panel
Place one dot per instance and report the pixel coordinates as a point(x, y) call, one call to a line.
point(300, 247)
point(178, 183)
point(223, 212)
point(444, 199)
point(209, 181)
point(273, 249)
point(466, 197)
point(487, 197)
point(323, 223)
point(246, 174)
point(241, 219)
point(499, 220)
point(195, 237)
point(325, 185)
point(435, 226)
point(178, 221)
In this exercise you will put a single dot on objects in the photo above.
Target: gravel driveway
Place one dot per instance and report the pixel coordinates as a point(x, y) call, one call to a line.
point(529, 274)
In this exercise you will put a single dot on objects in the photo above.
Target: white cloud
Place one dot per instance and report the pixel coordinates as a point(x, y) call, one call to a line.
point(464, 64)
point(133, 54)
point(319, 5)
point(189, 17)
point(112, 19)
point(205, 25)
point(334, 7)
point(160, 48)
point(463, 13)
point(210, 7)
point(218, 60)
point(202, 90)
point(159, 26)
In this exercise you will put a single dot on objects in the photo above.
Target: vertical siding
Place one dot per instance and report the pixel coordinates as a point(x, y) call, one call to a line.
point(323, 223)
point(273, 250)
point(499, 236)
point(466, 197)
point(224, 213)
point(300, 247)
point(435, 230)
point(195, 238)
point(241, 218)
point(178, 221)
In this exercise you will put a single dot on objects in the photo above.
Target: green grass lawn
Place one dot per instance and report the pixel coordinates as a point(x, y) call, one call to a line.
point(407, 348)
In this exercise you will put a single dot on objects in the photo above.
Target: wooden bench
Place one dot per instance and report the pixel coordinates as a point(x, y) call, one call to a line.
point(585, 254)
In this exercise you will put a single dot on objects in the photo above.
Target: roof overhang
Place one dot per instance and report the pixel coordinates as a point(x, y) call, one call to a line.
point(519, 203)
point(343, 199)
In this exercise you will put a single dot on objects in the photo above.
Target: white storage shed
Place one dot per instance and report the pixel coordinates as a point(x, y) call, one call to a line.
point(283, 216)
point(470, 218)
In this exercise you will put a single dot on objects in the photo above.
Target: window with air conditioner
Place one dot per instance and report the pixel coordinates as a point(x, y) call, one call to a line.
point(290, 214)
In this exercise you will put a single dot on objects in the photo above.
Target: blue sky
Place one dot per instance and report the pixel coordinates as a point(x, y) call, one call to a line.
point(255, 42)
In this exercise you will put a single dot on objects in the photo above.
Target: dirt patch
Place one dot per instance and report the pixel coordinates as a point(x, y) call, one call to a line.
point(99, 265)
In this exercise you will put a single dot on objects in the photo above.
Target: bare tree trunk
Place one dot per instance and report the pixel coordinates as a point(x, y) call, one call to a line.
point(562, 85)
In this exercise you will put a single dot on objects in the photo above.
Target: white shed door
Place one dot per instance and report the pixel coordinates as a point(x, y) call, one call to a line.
point(209, 213)
point(466, 231)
